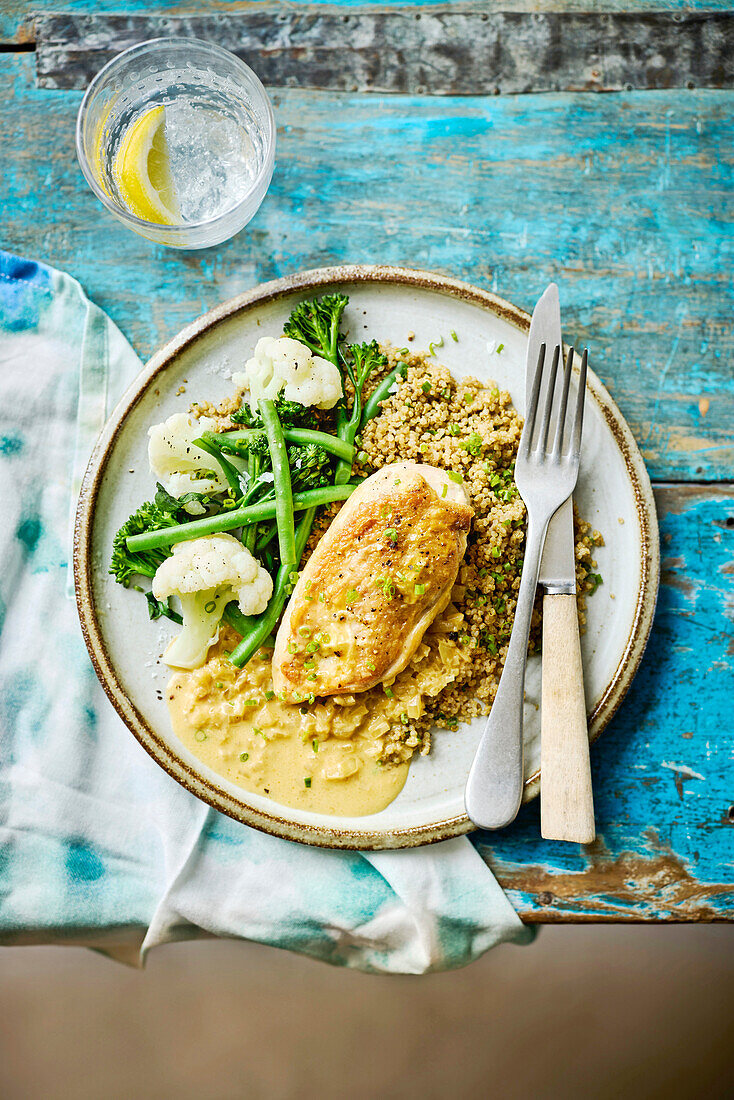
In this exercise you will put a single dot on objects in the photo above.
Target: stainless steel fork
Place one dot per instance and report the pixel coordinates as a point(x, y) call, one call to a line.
point(545, 478)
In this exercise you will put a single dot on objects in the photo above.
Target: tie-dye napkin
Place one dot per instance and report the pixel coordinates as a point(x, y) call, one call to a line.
point(98, 846)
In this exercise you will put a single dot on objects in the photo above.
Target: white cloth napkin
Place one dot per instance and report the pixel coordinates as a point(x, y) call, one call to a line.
point(98, 846)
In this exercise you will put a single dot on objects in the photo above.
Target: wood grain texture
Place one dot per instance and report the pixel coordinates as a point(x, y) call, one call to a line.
point(663, 782)
point(621, 199)
point(17, 17)
point(434, 51)
point(566, 798)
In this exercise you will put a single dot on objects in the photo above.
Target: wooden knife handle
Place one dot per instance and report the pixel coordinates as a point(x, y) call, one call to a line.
point(566, 799)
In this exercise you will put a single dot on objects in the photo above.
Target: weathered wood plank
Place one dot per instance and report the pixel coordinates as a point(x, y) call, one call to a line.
point(17, 16)
point(429, 52)
point(623, 199)
point(663, 784)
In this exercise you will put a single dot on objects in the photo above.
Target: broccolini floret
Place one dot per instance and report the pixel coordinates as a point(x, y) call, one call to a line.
point(290, 413)
point(316, 324)
point(126, 564)
point(310, 467)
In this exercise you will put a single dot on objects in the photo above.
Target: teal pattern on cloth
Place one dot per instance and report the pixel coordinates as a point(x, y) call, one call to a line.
point(98, 846)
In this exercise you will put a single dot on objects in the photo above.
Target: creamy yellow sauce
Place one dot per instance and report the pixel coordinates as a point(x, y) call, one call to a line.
point(322, 756)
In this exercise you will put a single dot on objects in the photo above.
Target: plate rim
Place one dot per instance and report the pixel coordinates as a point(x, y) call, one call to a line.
point(331, 836)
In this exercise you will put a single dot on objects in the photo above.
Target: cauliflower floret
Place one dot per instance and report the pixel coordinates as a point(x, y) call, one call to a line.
point(206, 574)
point(178, 464)
point(280, 363)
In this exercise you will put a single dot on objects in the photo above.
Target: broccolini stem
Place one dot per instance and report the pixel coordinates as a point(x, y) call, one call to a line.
point(281, 480)
point(266, 537)
point(382, 392)
point(256, 628)
point(347, 429)
point(237, 517)
point(253, 463)
point(226, 441)
point(229, 471)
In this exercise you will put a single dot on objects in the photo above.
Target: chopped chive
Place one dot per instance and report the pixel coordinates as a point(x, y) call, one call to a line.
point(454, 337)
point(468, 398)
point(307, 781)
point(250, 702)
point(404, 718)
point(371, 668)
point(420, 589)
point(201, 735)
point(315, 744)
point(444, 490)
point(269, 695)
point(304, 632)
point(457, 478)
point(426, 387)
point(389, 692)
point(219, 684)
point(352, 595)
point(391, 534)
point(500, 348)
point(435, 344)
point(244, 756)
point(292, 647)
point(311, 676)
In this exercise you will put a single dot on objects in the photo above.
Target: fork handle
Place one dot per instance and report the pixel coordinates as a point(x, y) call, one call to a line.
point(494, 787)
point(566, 798)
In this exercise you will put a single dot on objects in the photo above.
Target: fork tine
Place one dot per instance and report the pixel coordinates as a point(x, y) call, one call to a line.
point(578, 423)
point(531, 412)
point(545, 426)
point(558, 441)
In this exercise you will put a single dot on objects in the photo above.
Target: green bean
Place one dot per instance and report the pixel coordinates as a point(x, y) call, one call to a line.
point(382, 392)
point(228, 441)
point(281, 480)
point(237, 517)
point(256, 628)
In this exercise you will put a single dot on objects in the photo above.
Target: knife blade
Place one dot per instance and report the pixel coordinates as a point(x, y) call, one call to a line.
point(558, 564)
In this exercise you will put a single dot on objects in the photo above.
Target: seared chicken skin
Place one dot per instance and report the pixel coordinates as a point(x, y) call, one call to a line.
point(376, 581)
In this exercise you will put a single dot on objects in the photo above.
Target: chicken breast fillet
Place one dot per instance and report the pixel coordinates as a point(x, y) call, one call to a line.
point(376, 581)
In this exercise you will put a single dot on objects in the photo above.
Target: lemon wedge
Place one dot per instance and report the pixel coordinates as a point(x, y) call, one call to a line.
point(142, 170)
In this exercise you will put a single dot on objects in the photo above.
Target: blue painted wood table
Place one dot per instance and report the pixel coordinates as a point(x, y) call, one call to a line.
point(478, 143)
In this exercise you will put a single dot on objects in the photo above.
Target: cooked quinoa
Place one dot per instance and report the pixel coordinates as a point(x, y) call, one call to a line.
point(471, 429)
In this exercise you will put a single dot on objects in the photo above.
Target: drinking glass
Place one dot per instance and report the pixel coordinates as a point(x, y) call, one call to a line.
point(220, 136)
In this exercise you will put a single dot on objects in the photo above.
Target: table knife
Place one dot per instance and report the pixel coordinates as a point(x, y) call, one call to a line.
point(566, 800)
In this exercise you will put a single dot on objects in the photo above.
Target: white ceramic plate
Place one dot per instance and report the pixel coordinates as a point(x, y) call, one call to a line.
point(387, 303)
